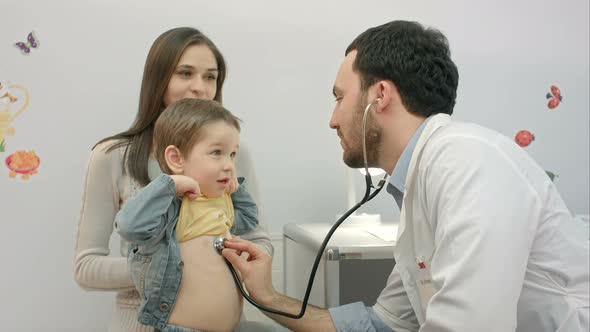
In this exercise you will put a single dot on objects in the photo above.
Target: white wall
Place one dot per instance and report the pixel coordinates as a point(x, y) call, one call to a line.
point(84, 82)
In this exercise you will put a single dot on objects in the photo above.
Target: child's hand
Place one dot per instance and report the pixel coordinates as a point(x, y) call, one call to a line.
point(186, 186)
point(233, 184)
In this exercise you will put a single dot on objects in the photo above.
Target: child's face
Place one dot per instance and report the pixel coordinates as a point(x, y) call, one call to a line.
point(211, 162)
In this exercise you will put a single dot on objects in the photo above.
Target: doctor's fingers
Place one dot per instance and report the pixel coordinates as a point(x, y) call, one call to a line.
point(241, 245)
point(249, 251)
point(238, 262)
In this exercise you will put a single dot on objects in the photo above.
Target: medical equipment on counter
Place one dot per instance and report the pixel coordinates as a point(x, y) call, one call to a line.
point(218, 242)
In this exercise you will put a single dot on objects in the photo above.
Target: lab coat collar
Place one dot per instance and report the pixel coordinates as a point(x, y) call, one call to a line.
point(436, 122)
point(400, 171)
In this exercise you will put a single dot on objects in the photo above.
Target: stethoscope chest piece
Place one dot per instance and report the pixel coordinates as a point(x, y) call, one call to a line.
point(219, 244)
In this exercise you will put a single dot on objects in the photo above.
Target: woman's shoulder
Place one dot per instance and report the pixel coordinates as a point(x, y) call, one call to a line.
point(108, 152)
point(110, 146)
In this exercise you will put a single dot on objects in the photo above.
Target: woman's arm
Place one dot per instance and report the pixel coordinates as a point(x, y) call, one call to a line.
point(245, 168)
point(93, 269)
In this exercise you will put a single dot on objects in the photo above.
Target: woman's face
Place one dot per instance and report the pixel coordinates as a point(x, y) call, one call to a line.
point(195, 76)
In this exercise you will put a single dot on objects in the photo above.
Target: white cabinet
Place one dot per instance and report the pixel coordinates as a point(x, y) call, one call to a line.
point(354, 267)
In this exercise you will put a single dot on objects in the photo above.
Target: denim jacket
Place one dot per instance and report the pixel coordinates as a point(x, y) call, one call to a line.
point(148, 222)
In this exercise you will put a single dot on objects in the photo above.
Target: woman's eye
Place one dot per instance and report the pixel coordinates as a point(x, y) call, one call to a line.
point(185, 73)
point(211, 77)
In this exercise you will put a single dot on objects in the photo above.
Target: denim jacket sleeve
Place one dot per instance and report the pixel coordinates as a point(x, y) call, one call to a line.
point(245, 210)
point(145, 217)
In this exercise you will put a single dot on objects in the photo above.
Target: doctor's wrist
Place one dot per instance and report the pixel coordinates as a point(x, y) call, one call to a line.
point(269, 299)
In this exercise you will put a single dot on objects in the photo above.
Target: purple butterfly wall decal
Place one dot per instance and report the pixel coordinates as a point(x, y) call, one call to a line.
point(32, 42)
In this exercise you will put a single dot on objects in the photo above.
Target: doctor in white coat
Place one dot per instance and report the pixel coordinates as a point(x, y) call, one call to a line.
point(485, 241)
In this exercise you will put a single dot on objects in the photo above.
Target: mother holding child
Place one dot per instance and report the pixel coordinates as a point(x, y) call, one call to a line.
point(171, 183)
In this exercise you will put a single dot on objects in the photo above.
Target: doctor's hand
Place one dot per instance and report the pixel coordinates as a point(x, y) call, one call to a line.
point(255, 270)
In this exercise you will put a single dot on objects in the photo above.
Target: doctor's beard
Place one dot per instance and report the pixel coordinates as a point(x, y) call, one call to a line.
point(354, 156)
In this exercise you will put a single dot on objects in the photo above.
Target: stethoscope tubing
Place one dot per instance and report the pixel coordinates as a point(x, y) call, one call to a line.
point(367, 197)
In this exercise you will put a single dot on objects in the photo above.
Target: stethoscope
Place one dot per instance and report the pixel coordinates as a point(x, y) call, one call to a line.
point(218, 243)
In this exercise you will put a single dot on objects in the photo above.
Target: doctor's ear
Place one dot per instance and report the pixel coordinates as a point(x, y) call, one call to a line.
point(174, 159)
point(386, 94)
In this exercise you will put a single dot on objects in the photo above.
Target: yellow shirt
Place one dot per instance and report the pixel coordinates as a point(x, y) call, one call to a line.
point(204, 216)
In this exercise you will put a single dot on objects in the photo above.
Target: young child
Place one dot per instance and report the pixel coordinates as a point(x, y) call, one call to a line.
point(183, 282)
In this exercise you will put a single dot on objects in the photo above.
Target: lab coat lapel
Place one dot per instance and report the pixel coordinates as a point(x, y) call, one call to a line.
point(406, 246)
point(436, 122)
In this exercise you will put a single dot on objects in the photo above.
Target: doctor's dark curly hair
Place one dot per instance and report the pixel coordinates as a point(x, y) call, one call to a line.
point(416, 59)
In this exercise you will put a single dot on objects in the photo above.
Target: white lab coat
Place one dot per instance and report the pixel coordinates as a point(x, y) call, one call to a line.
point(499, 249)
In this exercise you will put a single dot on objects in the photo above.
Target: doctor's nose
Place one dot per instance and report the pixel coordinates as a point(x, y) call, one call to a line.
point(333, 123)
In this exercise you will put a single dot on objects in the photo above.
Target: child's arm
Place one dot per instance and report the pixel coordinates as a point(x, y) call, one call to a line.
point(245, 210)
point(146, 215)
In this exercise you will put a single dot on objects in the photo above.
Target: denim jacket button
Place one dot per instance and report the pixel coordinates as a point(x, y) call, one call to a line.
point(180, 265)
point(164, 307)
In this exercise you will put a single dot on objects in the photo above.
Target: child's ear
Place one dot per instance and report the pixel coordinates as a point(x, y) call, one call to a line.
point(174, 159)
